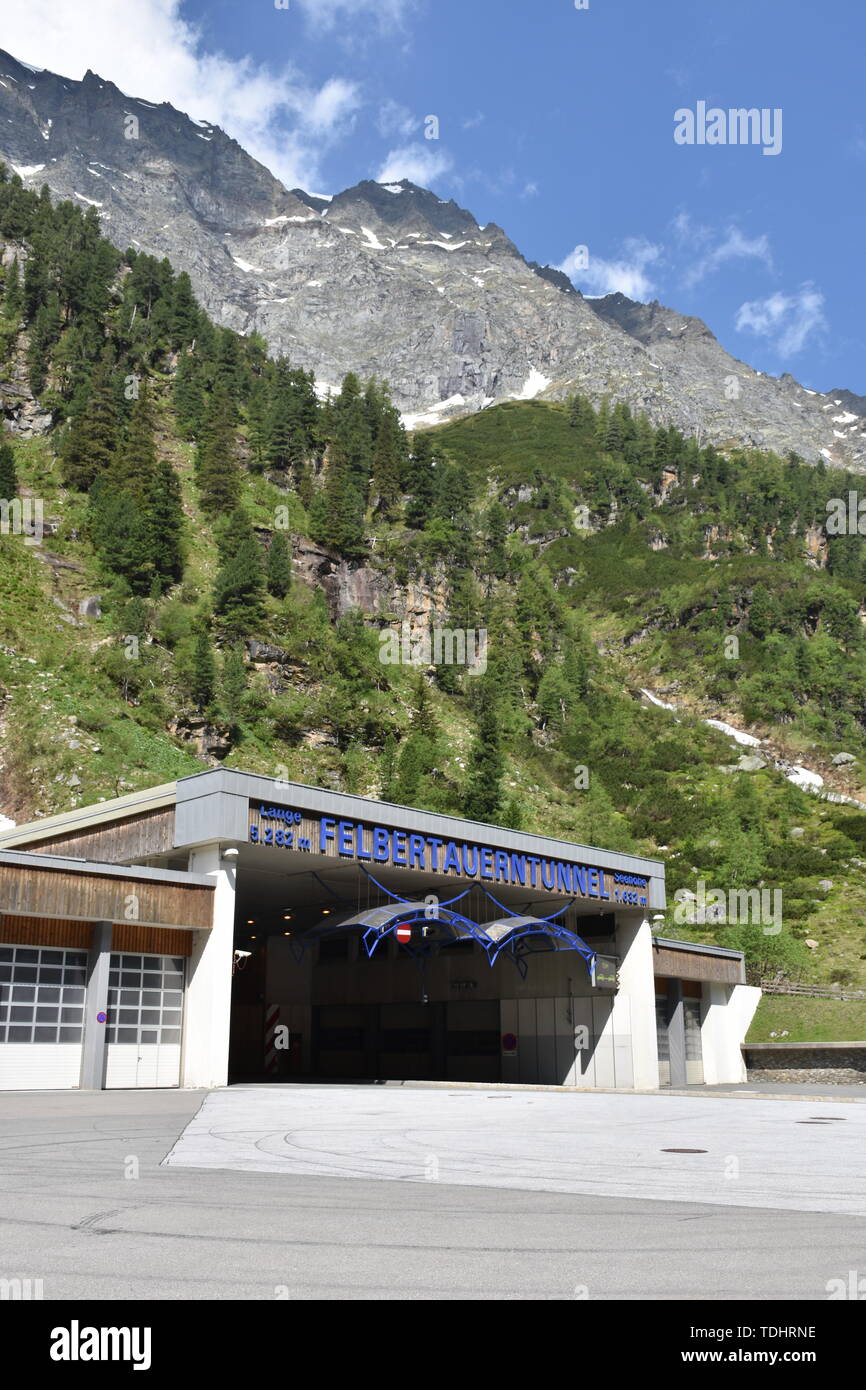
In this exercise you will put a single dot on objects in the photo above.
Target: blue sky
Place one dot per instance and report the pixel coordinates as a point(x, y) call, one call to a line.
point(556, 123)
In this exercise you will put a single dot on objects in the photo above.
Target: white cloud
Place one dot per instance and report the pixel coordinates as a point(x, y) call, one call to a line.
point(788, 319)
point(332, 105)
point(396, 120)
point(627, 276)
point(148, 50)
point(417, 161)
point(326, 15)
point(733, 245)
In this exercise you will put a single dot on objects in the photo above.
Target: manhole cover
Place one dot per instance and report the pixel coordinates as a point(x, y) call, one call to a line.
point(691, 1151)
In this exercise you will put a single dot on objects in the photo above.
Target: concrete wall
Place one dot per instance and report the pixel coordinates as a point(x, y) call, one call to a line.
point(568, 1041)
point(634, 946)
point(727, 1015)
point(207, 1009)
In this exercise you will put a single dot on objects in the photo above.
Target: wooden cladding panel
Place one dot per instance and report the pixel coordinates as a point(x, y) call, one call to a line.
point(694, 965)
point(44, 931)
point(93, 897)
point(153, 941)
point(126, 936)
point(152, 832)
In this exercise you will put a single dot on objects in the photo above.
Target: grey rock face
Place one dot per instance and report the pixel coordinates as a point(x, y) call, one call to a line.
point(388, 280)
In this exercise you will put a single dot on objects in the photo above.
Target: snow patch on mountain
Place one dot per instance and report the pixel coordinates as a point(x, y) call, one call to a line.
point(533, 386)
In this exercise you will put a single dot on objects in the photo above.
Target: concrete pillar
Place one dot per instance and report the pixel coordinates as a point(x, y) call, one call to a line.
point(634, 948)
point(677, 1033)
point(727, 1012)
point(96, 1002)
point(207, 1011)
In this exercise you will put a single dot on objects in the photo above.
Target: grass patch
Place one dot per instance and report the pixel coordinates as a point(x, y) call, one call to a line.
point(808, 1020)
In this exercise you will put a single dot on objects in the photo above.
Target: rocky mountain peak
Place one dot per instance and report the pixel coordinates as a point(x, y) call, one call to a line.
point(649, 322)
point(388, 279)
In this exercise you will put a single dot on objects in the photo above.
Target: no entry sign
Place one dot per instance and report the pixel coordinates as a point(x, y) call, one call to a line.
point(404, 933)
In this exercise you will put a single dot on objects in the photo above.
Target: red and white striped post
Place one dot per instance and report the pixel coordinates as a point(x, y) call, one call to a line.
point(272, 1023)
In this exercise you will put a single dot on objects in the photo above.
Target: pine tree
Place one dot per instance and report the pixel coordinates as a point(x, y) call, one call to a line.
point(163, 508)
point(188, 397)
point(423, 718)
point(135, 463)
point(136, 512)
point(387, 464)
point(580, 413)
point(351, 437)
point(413, 765)
point(233, 684)
point(483, 798)
point(44, 332)
point(219, 477)
point(119, 532)
point(36, 282)
point(13, 294)
point(419, 481)
point(257, 425)
point(203, 674)
point(8, 473)
point(279, 567)
point(90, 442)
point(496, 538)
point(239, 586)
point(337, 510)
point(185, 313)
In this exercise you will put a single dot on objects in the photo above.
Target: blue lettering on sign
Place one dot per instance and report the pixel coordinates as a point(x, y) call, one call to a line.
point(280, 813)
point(344, 838)
point(353, 840)
point(451, 859)
point(381, 843)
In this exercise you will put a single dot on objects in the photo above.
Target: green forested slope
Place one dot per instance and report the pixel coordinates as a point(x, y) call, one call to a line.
point(247, 542)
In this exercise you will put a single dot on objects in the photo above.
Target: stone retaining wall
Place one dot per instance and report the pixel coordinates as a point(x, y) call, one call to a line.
point(836, 1063)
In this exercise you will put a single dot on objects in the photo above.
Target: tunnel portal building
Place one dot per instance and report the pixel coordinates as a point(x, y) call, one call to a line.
point(234, 927)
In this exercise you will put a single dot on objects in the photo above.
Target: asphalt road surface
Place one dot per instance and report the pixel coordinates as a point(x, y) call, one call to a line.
point(403, 1193)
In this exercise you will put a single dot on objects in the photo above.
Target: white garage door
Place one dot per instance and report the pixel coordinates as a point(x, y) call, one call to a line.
point(41, 1017)
point(145, 1018)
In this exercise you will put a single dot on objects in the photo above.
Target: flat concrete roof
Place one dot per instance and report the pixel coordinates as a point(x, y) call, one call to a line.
point(672, 944)
point(82, 818)
point(197, 823)
point(213, 807)
point(140, 872)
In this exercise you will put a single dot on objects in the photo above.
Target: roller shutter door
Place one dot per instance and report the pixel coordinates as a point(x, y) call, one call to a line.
point(145, 1020)
point(41, 1017)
